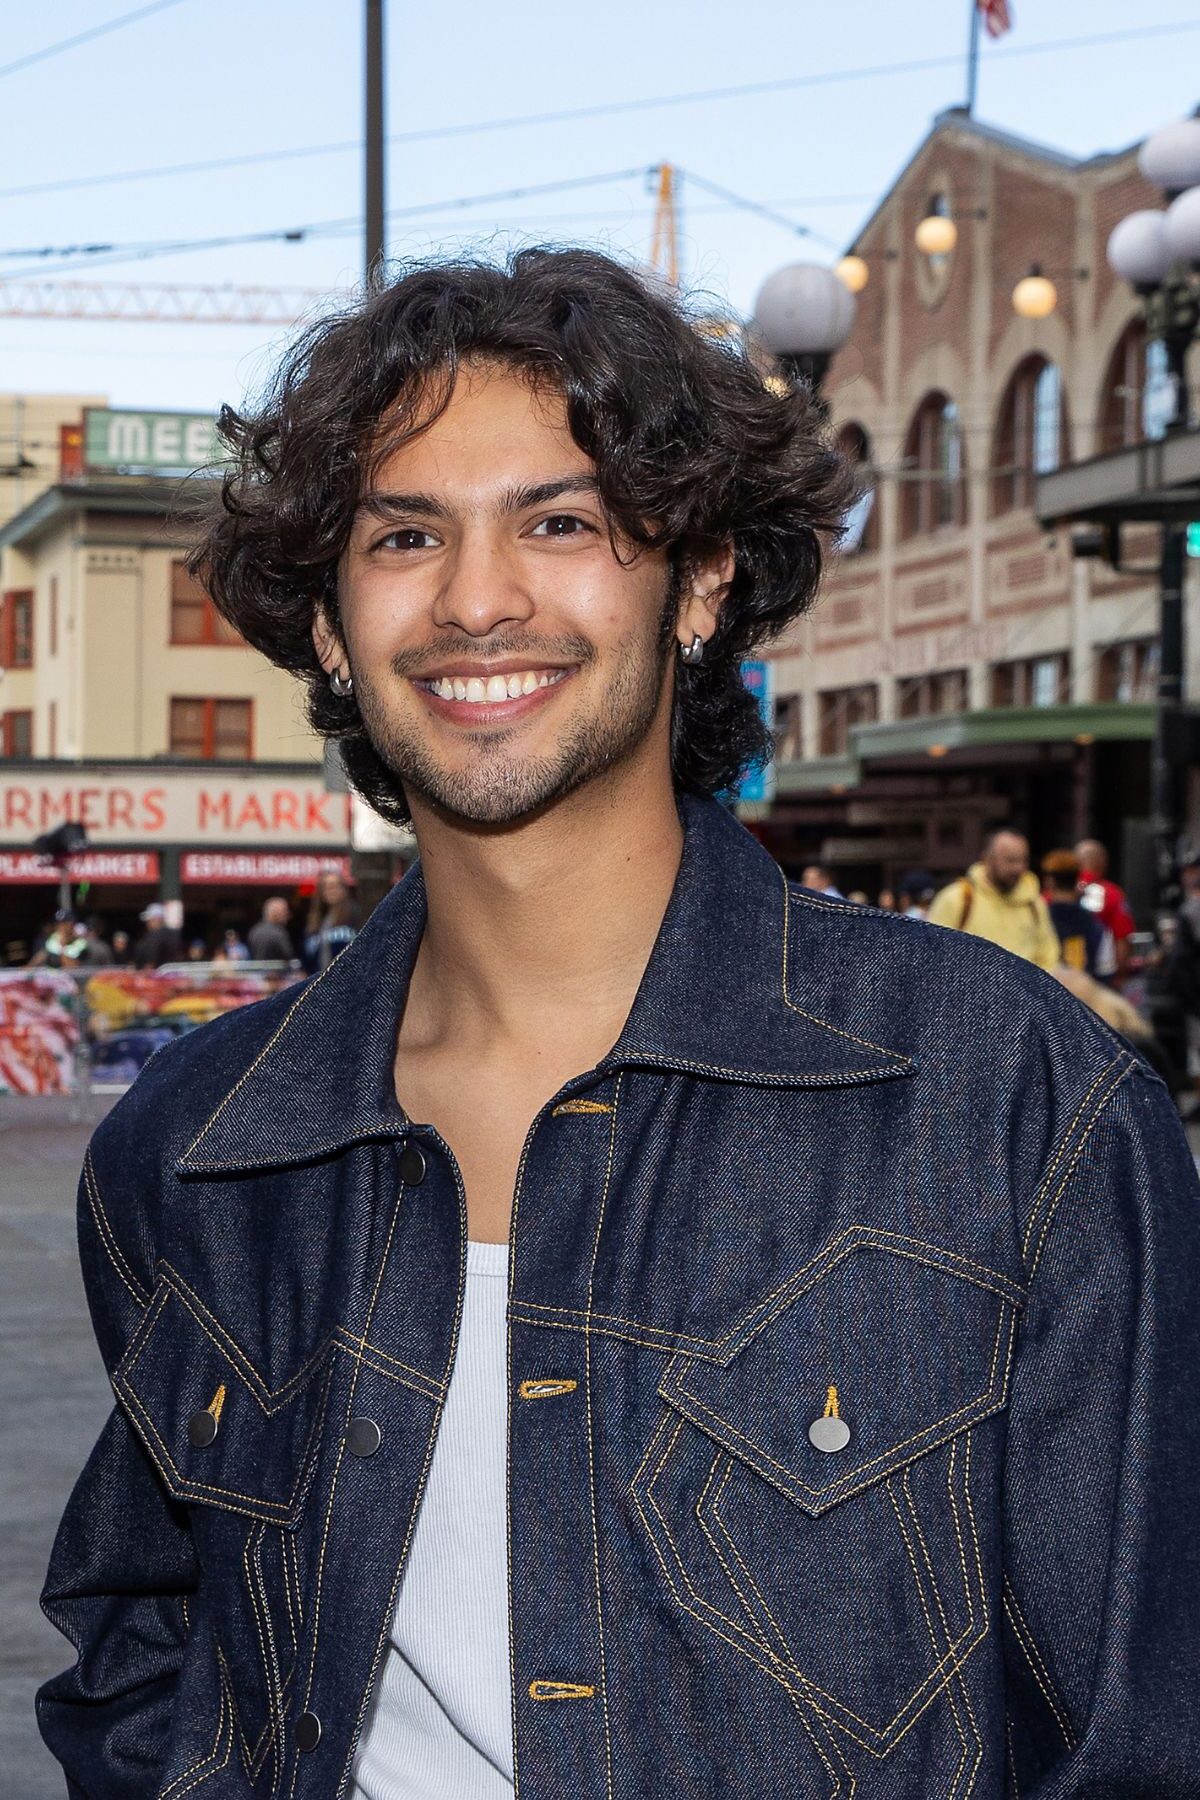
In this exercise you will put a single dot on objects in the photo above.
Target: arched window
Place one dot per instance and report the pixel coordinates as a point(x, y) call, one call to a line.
point(1137, 398)
point(934, 486)
point(1031, 433)
point(860, 530)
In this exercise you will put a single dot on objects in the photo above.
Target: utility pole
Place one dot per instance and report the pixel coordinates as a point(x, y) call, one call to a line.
point(973, 58)
point(373, 141)
point(1173, 318)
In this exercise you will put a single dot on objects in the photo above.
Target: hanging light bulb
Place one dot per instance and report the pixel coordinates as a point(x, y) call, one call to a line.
point(936, 235)
point(853, 272)
point(1034, 297)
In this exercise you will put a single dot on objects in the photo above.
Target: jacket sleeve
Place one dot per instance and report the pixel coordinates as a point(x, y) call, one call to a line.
point(121, 1570)
point(1101, 1598)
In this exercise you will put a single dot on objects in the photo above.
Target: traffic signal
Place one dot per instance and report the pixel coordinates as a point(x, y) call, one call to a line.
point(1193, 538)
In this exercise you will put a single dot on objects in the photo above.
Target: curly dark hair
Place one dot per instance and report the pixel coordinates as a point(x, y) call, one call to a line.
point(692, 451)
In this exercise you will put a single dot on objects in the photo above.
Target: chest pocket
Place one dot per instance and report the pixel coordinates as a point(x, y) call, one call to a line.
point(241, 1456)
point(851, 1574)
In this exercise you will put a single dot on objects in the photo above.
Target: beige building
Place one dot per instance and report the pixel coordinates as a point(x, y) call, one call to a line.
point(963, 666)
point(127, 705)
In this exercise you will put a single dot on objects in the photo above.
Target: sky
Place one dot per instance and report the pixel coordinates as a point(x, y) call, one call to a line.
point(192, 81)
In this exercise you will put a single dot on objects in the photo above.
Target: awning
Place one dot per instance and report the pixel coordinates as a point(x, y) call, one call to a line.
point(1157, 481)
point(940, 736)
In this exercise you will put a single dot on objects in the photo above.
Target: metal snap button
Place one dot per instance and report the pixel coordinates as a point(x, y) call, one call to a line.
point(308, 1731)
point(829, 1434)
point(201, 1430)
point(363, 1437)
point(412, 1165)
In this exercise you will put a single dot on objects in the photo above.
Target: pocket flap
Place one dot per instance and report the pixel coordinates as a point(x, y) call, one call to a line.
point(908, 1344)
point(258, 1453)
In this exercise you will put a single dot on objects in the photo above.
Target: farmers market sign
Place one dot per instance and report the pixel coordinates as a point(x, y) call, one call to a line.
point(141, 809)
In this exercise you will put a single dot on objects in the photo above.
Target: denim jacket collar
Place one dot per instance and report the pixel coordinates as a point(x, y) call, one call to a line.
point(730, 993)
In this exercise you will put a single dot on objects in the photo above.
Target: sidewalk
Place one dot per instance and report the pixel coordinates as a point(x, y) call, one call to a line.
point(54, 1398)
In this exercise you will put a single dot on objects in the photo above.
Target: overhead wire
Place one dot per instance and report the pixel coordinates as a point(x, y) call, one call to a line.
point(600, 109)
point(86, 37)
point(108, 255)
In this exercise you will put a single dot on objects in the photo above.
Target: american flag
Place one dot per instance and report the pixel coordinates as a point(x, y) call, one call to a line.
point(997, 18)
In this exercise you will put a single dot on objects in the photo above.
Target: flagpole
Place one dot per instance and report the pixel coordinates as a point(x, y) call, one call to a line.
point(973, 58)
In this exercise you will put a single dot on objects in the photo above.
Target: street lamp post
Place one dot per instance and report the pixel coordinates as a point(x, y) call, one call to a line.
point(373, 141)
point(803, 314)
point(1159, 254)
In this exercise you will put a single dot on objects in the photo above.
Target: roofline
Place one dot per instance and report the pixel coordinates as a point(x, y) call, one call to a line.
point(957, 118)
point(162, 495)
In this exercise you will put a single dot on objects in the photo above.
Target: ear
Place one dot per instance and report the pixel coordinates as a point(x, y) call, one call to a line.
point(326, 642)
point(704, 594)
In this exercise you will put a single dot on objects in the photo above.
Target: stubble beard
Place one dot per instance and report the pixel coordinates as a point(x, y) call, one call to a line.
point(499, 785)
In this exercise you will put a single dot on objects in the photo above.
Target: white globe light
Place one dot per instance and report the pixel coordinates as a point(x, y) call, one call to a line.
point(804, 310)
point(1171, 157)
point(1138, 250)
point(1183, 226)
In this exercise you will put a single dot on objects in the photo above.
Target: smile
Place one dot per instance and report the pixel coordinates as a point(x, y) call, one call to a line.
point(492, 690)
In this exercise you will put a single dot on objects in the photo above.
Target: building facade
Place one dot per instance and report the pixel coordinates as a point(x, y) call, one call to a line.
point(128, 706)
point(964, 668)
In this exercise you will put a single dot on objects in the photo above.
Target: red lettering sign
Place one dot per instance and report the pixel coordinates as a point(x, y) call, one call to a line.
point(263, 868)
point(128, 868)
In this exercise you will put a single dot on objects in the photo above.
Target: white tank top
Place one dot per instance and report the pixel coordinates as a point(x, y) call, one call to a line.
point(440, 1721)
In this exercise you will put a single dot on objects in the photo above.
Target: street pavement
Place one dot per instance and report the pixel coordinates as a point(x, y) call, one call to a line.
point(54, 1398)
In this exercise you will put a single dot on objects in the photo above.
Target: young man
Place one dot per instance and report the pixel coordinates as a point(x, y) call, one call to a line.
point(999, 899)
point(628, 1329)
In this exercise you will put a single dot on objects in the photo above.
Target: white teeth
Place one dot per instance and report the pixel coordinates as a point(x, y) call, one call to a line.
point(493, 690)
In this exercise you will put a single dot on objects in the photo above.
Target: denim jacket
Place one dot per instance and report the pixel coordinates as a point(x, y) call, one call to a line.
point(854, 1431)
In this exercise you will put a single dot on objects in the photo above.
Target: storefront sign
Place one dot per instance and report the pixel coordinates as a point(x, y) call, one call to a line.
point(124, 868)
point(212, 867)
point(148, 443)
point(759, 782)
point(241, 811)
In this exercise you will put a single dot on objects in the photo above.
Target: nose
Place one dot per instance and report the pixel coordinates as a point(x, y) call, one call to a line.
point(483, 589)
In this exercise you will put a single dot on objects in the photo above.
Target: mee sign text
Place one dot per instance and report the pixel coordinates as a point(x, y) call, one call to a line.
point(164, 808)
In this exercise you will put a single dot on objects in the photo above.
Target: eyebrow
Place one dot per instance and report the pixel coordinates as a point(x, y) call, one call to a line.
point(513, 499)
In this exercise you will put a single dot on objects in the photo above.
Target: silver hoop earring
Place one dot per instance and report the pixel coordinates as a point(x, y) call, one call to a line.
point(341, 684)
point(692, 653)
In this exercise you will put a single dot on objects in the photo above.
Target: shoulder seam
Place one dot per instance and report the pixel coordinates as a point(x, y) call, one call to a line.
point(1072, 1143)
point(108, 1238)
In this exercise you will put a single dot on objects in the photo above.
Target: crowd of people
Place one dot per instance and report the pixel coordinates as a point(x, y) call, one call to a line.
point(330, 923)
point(1070, 919)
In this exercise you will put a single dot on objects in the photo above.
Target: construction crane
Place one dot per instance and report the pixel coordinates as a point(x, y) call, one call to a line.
point(147, 303)
point(142, 303)
point(664, 242)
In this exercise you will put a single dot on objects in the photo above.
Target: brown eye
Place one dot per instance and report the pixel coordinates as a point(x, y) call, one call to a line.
point(560, 526)
point(408, 537)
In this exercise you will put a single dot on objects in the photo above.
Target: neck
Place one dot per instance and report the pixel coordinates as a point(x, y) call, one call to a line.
point(552, 918)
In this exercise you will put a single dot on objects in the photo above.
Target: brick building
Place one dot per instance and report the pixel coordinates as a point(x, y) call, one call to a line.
point(127, 704)
point(964, 667)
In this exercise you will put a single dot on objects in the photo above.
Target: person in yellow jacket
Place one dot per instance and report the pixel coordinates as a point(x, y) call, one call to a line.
point(998, 899)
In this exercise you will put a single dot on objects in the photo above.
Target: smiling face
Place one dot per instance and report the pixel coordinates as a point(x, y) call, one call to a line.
point(504, 653)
